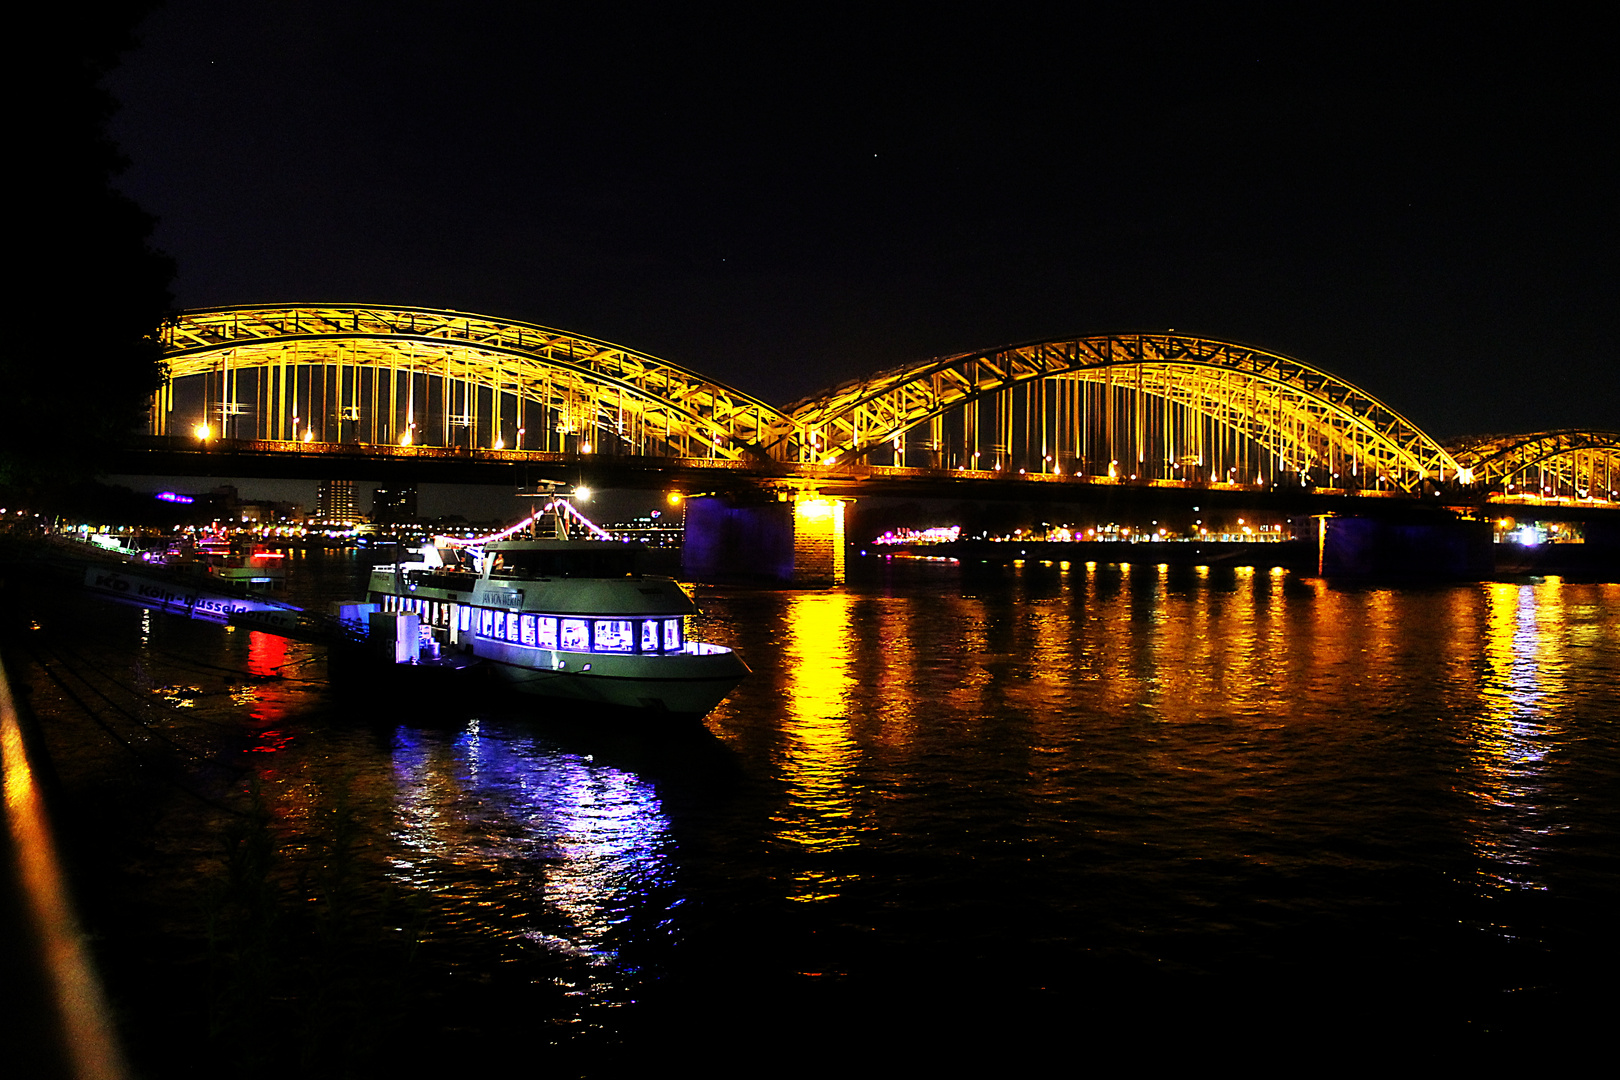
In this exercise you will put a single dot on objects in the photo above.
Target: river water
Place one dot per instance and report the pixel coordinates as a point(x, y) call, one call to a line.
point(956, 812)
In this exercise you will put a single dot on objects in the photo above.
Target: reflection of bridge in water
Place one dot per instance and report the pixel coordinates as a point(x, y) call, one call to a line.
point(317, 390)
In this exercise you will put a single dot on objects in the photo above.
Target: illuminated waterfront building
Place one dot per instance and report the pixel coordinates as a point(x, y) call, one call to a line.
point(334, 503)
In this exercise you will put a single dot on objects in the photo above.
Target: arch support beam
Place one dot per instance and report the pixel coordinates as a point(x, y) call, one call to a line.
point(1300, 414)
point(419, 376)
point(1584, 463)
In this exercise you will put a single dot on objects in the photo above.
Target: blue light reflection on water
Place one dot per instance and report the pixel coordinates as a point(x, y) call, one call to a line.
point(1521, 689)
point(521, 839)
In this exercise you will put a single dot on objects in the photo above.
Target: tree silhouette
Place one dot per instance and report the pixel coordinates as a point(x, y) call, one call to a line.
point(83, 355)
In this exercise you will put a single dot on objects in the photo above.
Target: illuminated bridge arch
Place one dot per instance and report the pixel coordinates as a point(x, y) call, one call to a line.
point(422, 377)
point(1149, 406)
point(1567, 463)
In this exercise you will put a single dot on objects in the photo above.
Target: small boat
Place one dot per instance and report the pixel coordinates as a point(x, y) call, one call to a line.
point(247, 564)
point(192, 596)
point(554, 617)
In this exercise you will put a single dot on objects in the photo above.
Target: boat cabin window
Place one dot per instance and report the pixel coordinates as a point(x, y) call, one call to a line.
point(613, 635)
point(575, 636)
point(579, 635)
point(604, 562)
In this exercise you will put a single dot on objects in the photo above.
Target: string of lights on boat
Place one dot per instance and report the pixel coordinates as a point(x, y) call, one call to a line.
point(559, 506)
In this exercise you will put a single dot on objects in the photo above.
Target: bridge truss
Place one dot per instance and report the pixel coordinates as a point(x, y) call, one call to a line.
point(1141, 406)
point(1567, 463)
point(307, 373)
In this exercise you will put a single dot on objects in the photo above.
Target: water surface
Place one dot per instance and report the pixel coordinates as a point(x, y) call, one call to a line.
point(960, 810)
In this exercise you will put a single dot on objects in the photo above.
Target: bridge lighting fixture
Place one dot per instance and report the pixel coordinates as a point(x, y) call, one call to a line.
point(309, 434)
point(584, 447)
point(202, 431)
point(582, 493)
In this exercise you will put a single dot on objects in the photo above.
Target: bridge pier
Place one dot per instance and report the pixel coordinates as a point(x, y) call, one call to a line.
point(787, 537)
point(1373, 548)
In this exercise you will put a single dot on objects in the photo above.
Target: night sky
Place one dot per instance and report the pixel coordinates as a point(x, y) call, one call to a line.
point(782, 197)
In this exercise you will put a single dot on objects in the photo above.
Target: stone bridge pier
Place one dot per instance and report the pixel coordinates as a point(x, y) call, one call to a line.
point(789, 535)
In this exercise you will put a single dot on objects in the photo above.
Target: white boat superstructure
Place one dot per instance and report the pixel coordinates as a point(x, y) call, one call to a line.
point(571, 620)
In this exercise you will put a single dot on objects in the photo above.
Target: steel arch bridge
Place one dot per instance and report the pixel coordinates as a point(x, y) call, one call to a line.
point(1147, 406)
point(307, 373)
point(1568, 462)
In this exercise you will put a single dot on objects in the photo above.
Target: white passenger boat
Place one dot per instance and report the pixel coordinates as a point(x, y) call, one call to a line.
point(567, 619)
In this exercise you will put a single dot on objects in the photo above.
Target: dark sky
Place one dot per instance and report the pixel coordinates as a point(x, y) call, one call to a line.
point(782, 197)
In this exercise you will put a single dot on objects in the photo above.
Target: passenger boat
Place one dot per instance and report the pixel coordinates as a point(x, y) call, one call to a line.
point(560, 618)
point(247, 564)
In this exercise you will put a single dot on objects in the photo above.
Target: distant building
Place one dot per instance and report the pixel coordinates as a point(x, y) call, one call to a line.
point(267, 512)
point(334, 503)
point(393, 506)
point(221, 504)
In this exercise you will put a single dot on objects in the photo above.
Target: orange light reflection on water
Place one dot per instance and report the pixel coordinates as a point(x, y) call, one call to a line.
point(819, 756)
